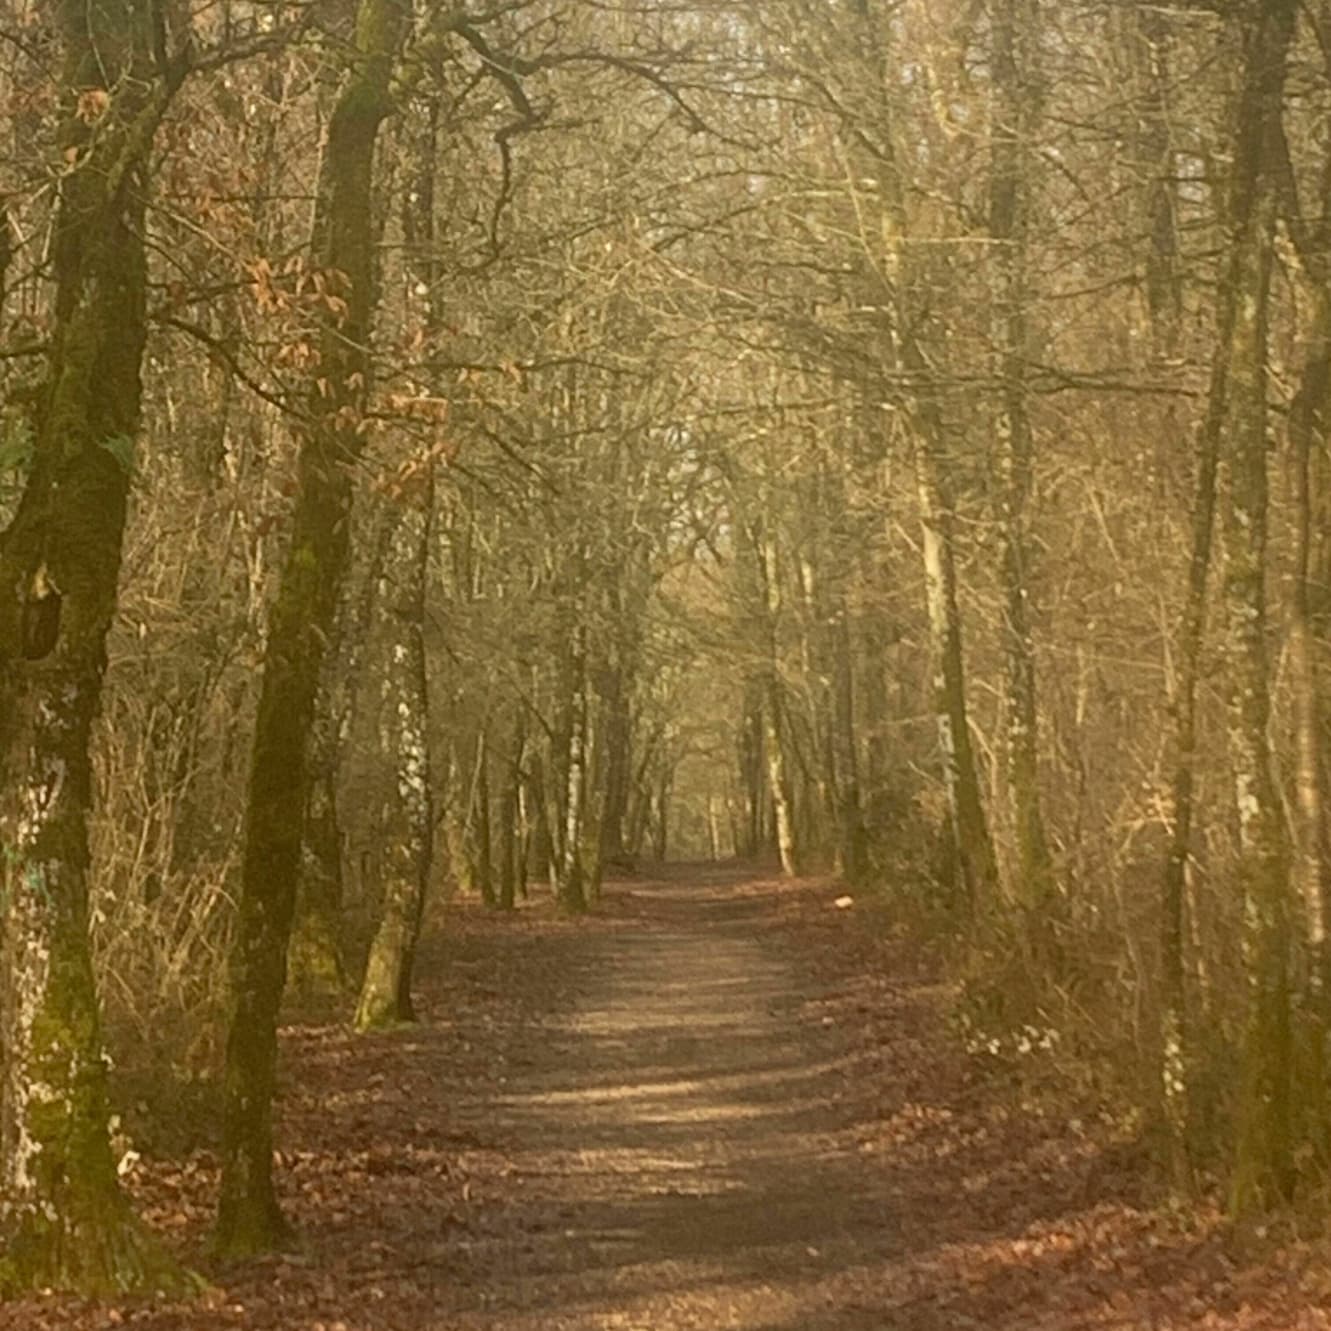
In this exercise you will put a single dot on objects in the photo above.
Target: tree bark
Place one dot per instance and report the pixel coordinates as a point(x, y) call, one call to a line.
point(318, 965)
point(570, 867)
point(975, 869)
point(1307, 427)
point(64, 1222)
point(1015, 111)
point(385, 996)
point(511, 839)
point(1263, 1169)
point(301, 624)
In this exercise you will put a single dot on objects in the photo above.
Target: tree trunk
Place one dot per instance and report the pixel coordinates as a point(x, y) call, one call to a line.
point(1263, 1169)
point(317, 962)
point(481, 840)
point(778, 779)
point(775, 737)
point(618, 732)
point(301, 624)
point(64, 1222)
point(854, 839)
point(385, 996)
point(1307, 426)
point(1014, 122)
point(752, 769)
point(511, 850)
point(973, 863)
point(570, 883)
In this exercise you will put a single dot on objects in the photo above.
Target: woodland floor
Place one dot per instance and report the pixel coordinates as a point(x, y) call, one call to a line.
point(718, 1103)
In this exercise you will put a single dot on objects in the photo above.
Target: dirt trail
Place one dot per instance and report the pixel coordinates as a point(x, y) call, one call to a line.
point(718, 1103)
point(679, 1142)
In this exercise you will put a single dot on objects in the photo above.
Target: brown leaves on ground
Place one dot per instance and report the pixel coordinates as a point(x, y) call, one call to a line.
point(788, 1140)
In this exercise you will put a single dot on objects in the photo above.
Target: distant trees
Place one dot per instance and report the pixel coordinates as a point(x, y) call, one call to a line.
point(1034, 302)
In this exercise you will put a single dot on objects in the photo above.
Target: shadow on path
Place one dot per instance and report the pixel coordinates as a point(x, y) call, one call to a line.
point(694, 1145)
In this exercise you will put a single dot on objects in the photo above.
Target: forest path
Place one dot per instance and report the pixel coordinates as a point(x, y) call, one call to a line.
point(718, 1102)
point(679, 1137)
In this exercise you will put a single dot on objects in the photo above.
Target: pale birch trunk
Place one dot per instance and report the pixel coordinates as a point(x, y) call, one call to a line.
point(570, 868)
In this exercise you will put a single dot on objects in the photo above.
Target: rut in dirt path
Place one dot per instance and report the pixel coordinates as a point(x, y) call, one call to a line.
point(680, 1140)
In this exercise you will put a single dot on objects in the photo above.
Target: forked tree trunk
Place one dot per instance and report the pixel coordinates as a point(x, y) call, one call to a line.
point(64, 1222)
point(301, 624)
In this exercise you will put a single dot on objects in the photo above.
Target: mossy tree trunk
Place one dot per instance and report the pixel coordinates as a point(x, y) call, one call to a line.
point(64, 1221)
point(301, 624)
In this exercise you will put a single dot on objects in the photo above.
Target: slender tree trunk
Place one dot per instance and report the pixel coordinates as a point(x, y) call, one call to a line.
point(511, 851)
point(249, 1219)
point(752, 766)
point(973, 860)
point(64, 1222)
point(482, 833)
point(317, 962)
point(570, 883)
point(1307, 425)
point(1263, 1169)
point(972, 869)
point(618, 760)
point(1164, 294)
point(854, 853)
point(661, 830)
point(775, 738)
point(385, 996)
point(1015, 35)
point(778, 780)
